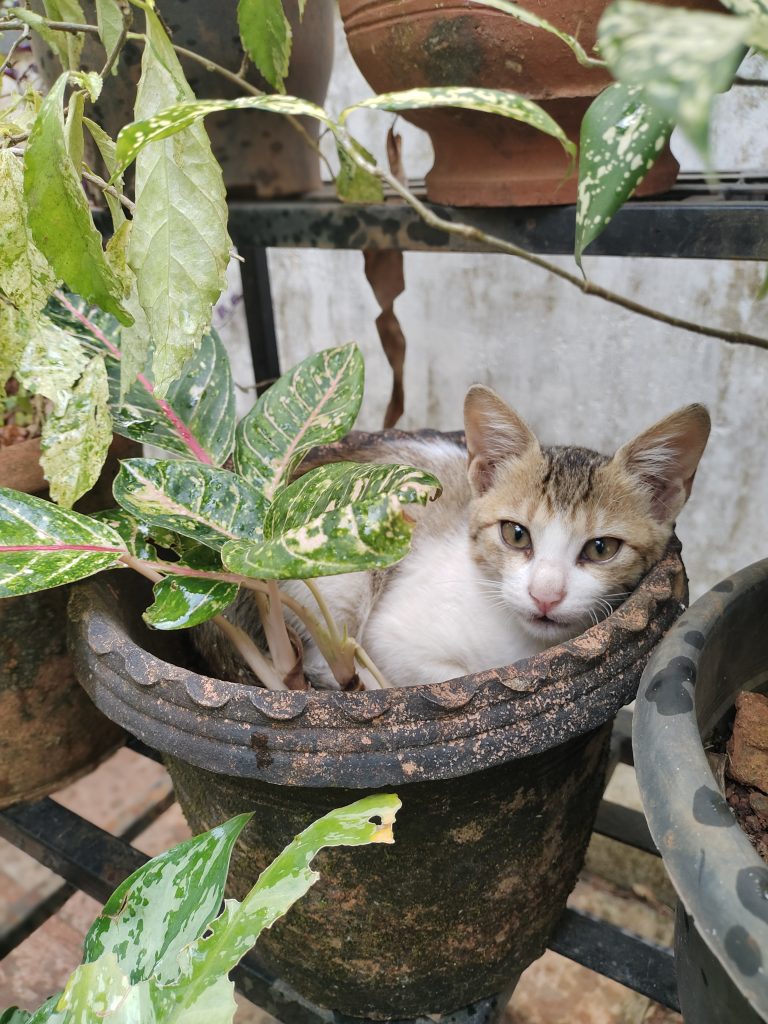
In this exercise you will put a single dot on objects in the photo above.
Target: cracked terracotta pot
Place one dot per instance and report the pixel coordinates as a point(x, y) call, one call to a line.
point(484, 159)
point(500, 775)
point(686, 699)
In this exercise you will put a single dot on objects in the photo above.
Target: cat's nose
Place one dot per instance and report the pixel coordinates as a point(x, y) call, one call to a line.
point(545, 607)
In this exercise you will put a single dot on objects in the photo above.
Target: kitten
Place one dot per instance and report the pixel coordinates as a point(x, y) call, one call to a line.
point(526, 547)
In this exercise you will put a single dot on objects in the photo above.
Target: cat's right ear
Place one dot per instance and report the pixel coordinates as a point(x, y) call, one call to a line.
point(495, 434)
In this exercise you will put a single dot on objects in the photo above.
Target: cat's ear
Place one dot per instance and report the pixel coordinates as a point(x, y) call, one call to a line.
point(665, 458)
point(495, 433)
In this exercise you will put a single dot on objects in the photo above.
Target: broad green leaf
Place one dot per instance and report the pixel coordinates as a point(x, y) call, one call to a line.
point(183, 601)
point(15, 329)
point(43, 546)
point(15, 1016)
point(52, 362)
point(75, 441)
point(209, 505)
point(59, 217)
point(363, 536)
point(164, 905)
point(110, 24)
point(94, 992)
point(747, 7)
point(266, 37)
point(315, 403)
point(132, 139)
point(73, 128)
point(106, 147)
point(529, 18)
point(117, 256)
point(25, 275)
point(39, 24)
point(489, 101)
point(353, 183)
point(45, 1013)
point(682, 58)
point(621, 139)
point(286, 879)
point(179, 247)
point(140, 540)
point(339, 484)
point(68, 45)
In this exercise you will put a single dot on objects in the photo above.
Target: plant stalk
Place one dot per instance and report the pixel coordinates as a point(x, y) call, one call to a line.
point(284, 655)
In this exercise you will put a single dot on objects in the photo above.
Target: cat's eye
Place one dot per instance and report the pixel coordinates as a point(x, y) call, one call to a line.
point(515, 536)
point(600, 549)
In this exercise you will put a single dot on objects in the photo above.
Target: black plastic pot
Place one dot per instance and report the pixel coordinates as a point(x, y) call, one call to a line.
point(719, 647)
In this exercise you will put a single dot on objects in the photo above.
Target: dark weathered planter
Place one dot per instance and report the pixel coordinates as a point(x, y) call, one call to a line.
point(500, 776)
point(719, 647)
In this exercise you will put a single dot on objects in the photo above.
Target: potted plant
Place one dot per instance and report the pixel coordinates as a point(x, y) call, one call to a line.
point(715, 650)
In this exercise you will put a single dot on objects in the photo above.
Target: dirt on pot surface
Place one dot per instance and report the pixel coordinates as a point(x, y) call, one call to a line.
point(742, 770)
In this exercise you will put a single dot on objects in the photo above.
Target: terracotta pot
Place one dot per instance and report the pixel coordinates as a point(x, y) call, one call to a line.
point(500, 775)
point(261, 155)
point(484, 159)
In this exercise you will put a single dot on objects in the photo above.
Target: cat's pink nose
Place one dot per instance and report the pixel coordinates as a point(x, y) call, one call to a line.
point(545, 607)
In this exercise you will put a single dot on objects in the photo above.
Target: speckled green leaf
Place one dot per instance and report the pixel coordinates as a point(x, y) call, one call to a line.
point(26, 277)
point(45, 1013)
point(489, 101)
point(209, 505)
point(621, 139)
point(68, 45)
point(165, 905)
point(353, 183)
point(95, 992)
point(266, 37)
point(15, 1016)
point(16, 329)
point(747, 7)
point(682, 58)
point(315, 403)
point(59, 216)
point(110, 24)
point(140, 540)
point(75, 439)
point(366, 535)
point(51, 363)
point(529, 18)
point(339, 484)
point(286, 879)
point(132, 138)
point(179, 247)
point(42, 545)
point(183, 601)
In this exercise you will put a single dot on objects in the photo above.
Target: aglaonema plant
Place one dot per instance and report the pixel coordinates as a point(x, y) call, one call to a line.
point(161, 953)
point(229, 511)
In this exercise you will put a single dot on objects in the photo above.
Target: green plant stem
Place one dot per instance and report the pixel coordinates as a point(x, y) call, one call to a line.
point(279, 642)
point(583, 284)
point(14, 47)
point(57, 26)
point(126, 13)
point(324, 610)
point(367, 662)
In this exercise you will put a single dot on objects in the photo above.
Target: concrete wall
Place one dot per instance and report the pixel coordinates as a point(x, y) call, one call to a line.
point(579, 370)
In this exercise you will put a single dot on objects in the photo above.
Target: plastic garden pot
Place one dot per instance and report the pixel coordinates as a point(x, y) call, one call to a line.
point(719, 647)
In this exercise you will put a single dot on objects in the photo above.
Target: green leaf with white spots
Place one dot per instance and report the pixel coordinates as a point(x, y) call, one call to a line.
point(529, 18)
point(183, 601)
point(266, 36)
point(68, 45)
point(488, 101)
point(15, 1016)
point(749, 8)
point(165, 905)
point(340, 484)
point(179, 247)
point(15, 329)
point(286, 879)
point(26, 277)
point(94, 992)
point(109, 22)
point(75, 440)
point(621, 139)
point(43, 546)
point(353, 183)
point(367, 535)
point(51, 363)
point(316, 402)
point(682, 58)
point(140, 540)
point(59, 216)
point(211, 506)
point(132, 138)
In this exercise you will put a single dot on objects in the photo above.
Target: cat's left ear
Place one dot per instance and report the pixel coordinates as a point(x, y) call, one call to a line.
point(665, 458)
point(495, 433)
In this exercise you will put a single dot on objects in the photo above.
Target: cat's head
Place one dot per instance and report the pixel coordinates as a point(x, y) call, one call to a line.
point(567, 533)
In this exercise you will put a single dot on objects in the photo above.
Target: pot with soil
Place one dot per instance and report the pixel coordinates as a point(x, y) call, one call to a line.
point(685, 709)
point(481, 159)
point(500, 775)
point(262, 156)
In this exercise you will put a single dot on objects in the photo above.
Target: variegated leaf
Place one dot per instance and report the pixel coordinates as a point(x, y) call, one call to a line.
point(179, 247)
point(529, 18)
point(140, 540)
point(621, 139)
point(353, 183)
point(747, 7)
point(209, 505)
point(43, 546)
point(266, 35)
point(15, 1016)
point(94, 992)
point(132, 138)
point(59, 217)
point(183, 601)
point(287, 878)
point(315, 403)
point(75, 439)
point(339, 484)
point(682, 58)
point(488, 101)
point(51, 363)
point(366, 535)
point(26, 277)
point(16, 329)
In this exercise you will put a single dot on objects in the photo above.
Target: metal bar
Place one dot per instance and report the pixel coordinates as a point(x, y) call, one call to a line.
point(257, 296)
point(624, 825)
